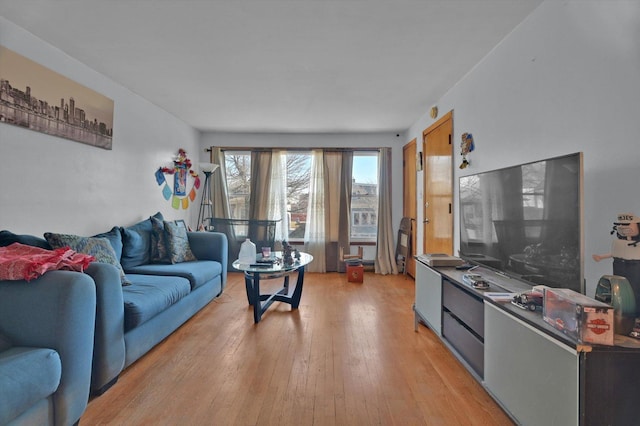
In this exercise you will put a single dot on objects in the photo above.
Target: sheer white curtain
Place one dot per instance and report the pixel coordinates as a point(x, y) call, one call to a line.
point(385, 262)
point(314, 233)
point(278, 195)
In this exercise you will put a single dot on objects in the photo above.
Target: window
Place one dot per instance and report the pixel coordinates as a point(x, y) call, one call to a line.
point(364, 197)
point(238, 165)
point(298, 174)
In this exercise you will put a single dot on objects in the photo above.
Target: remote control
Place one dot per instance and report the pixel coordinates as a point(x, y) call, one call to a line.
point(464, 266)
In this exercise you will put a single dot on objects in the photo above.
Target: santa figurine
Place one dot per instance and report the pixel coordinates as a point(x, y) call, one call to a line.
point(625, 251)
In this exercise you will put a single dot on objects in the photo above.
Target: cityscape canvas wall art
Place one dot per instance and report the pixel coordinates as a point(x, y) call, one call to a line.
point(38, 98)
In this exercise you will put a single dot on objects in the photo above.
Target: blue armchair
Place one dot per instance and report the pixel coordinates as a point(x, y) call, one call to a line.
point(46, 347)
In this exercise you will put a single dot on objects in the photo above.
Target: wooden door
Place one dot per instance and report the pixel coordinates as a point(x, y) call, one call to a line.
point(438, 186)
point(409, 199)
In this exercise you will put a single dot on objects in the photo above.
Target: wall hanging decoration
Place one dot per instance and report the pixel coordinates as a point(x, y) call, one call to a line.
point(181, 171)
point(37, 98)
point(466, 146)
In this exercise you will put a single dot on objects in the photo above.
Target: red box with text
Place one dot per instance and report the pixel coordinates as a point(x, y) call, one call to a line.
point(582, 318)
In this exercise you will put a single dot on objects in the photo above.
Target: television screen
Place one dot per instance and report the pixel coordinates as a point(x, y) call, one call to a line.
point(526, 221)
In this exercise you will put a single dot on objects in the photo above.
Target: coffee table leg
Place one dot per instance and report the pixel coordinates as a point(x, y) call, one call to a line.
point(249, 286)
point(257, 305)
point(297, 293)
point(286, 285)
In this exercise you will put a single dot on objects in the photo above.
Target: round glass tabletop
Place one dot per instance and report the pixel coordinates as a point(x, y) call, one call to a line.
point(273, 263)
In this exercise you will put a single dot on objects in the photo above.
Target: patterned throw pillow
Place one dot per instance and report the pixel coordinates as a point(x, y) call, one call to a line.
point(115, 238)
point(178, 243)
point(159, 249)
point(100, 248)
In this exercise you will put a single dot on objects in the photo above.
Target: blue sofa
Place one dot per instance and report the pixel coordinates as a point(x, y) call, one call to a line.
point(46, 348)
point(140, 302)
point(158, 298)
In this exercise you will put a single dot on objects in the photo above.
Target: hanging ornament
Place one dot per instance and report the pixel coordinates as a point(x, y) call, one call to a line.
point(181, 171)
point(466, 146)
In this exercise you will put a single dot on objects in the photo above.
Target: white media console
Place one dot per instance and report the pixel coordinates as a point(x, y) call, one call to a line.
point(537, 374)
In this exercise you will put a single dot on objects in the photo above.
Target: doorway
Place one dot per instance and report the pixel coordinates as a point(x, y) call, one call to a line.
point(438, 186)
point(409, 199)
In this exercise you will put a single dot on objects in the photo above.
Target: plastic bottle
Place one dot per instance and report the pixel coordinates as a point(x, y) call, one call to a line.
point(247, 252)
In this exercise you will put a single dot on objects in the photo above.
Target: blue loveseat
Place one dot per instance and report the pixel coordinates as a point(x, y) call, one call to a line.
point(46, 348)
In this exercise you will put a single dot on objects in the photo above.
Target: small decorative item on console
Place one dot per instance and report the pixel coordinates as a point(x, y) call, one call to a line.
point(635, 333)
point(531, 299)
point(476, 281)
point(581, 318)
point(625, 251)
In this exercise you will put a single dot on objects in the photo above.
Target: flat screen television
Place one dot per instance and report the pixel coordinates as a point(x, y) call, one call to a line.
point(526, 221)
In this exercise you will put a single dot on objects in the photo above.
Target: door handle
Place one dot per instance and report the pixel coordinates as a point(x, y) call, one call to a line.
point(425, 221)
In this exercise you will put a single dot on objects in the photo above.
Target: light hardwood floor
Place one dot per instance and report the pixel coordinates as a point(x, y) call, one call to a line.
point(348, 356)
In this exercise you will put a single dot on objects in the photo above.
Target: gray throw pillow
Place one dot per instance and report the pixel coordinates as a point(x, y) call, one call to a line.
point(100, 248)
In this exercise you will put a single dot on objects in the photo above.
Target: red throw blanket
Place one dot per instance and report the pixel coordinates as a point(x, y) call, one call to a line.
point(22, 262)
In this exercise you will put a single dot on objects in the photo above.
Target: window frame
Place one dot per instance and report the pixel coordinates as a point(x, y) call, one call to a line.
point(355, 240)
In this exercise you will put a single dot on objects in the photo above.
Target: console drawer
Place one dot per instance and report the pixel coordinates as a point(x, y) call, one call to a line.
point(469, 308)
point(465, 342)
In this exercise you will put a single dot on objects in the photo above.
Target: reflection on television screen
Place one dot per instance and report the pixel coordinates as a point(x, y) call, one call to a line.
point(525, 221)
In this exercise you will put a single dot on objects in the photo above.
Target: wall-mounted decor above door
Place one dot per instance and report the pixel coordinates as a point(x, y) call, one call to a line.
point(37, 98)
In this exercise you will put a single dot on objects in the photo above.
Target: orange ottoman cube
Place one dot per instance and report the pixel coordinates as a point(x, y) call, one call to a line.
point(355, 273)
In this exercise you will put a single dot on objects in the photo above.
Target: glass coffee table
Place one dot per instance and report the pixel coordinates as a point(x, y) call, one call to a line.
point(274, 269)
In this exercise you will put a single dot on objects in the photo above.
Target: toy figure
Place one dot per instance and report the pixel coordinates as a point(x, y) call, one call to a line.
point(625, 251)
point(466, 146)
point(287, 252)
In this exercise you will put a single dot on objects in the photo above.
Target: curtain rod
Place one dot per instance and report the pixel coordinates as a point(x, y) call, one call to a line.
point(328, 149)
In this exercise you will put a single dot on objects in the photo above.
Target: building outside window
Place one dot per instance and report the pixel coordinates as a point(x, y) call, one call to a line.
point(364, 197)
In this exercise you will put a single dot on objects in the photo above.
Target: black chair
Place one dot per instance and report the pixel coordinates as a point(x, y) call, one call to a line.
point(403, 246)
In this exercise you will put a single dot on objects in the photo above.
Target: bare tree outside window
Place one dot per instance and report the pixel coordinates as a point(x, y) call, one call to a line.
point(298, 177)
point(238, 166)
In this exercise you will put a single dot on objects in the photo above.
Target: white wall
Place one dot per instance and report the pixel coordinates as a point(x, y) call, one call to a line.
point(566, 80)
point(58, 185)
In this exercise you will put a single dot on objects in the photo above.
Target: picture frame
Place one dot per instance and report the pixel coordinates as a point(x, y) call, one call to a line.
point(180, 223)
point(57, 105)
point(180, 181)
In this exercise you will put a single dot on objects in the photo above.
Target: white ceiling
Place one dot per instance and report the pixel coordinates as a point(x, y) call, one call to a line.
point(278, 66)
